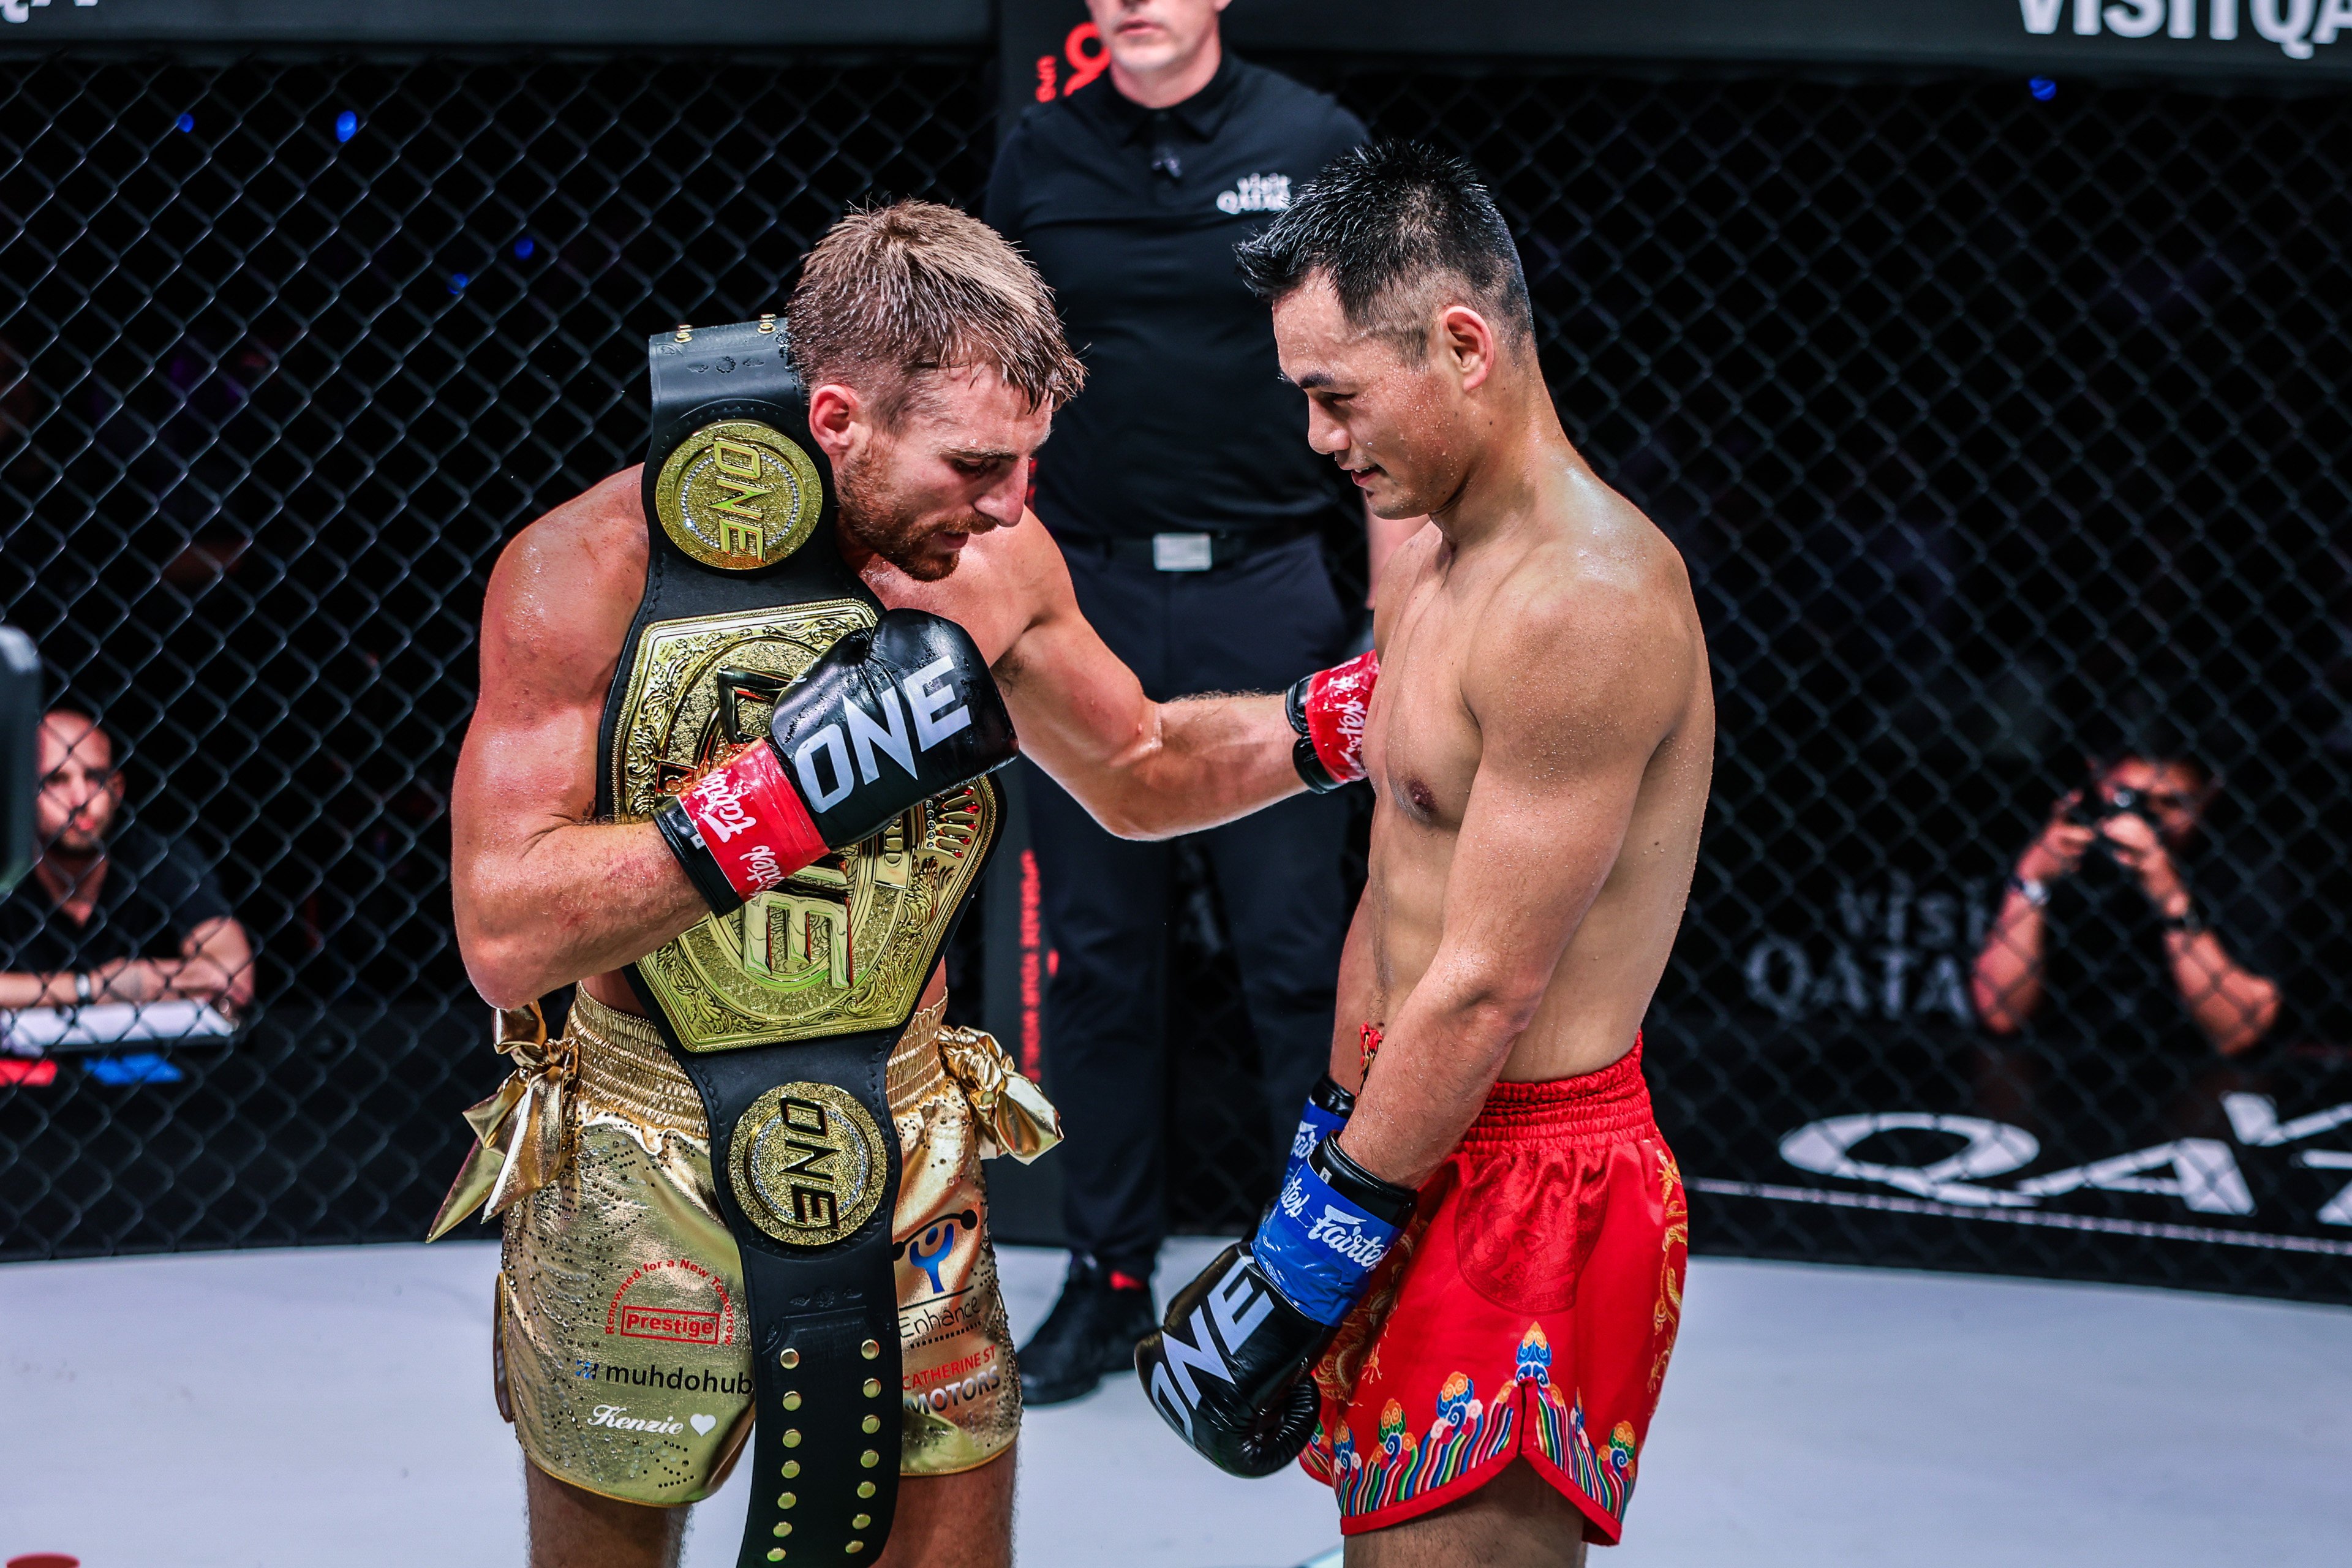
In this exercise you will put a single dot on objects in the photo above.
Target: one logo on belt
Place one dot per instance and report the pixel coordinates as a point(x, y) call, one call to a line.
point(807, 1163)
point(1256, 193)
point(739, 495)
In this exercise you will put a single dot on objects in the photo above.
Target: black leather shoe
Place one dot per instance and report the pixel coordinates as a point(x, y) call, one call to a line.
point(1091, 1333)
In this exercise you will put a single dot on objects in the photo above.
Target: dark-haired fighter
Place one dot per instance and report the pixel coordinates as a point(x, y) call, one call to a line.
point(739, 862)
point(1483, 1264)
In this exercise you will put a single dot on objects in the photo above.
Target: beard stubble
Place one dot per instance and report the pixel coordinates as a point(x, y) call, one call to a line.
point(875, 517)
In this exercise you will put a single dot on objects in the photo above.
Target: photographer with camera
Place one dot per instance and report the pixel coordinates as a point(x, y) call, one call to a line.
point(2118, 899)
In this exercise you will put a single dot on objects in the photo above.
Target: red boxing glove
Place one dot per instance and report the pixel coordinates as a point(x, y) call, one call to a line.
point(1327, 709)
point(750, 822)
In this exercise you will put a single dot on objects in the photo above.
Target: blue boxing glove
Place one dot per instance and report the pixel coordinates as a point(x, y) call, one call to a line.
point(1326, 1110)
point(1330, 1227)
point(1228, 1369)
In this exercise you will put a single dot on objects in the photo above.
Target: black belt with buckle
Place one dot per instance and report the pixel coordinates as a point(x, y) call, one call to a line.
point(1202, 552)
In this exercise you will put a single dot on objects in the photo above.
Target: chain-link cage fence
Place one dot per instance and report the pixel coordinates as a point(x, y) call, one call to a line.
point(1999, 428)
point(1999, 425)
point(288, 351)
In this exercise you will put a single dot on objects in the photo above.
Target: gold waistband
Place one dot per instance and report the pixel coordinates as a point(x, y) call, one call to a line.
point(625, 1065)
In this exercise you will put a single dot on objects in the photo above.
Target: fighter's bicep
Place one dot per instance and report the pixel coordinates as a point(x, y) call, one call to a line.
point(1076, 705)
point(530, 747)
point(1569, 716)
point(1534, 849)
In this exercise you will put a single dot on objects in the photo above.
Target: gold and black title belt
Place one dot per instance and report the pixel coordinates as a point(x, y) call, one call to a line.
point(783, 1013)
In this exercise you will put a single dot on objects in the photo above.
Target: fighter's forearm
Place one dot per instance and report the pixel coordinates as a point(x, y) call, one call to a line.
point(1439, 1060)
point(1193, 764)
point(574, 900)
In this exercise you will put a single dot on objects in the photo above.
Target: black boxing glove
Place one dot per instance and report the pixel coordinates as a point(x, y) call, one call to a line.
point(886, 719)
point(1229, 1368)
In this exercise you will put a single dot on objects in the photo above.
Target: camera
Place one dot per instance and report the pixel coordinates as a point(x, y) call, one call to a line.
point(20, 718)
point(2100, 803)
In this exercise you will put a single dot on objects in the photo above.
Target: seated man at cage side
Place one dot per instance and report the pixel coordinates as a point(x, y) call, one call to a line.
point(112, 912)
point(1479, 1248)
point(933, 362)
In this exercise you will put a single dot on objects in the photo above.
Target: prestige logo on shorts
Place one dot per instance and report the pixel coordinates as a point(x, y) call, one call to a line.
point(675, 1299)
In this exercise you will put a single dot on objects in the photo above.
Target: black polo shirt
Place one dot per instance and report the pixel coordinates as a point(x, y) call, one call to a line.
point(1186, 423)
point(2107, 981)
point(155, 894)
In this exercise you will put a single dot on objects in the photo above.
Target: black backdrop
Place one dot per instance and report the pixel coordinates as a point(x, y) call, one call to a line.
point(1993, 425)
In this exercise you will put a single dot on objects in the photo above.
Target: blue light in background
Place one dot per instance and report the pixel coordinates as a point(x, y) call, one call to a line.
point(458, 281)
point(185, 122)
point(347, 125)
point(2042, 89)
point(523, 247)
point(137, 1066)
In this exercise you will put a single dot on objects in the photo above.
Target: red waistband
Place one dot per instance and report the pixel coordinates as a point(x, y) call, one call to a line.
point(1604, 1106)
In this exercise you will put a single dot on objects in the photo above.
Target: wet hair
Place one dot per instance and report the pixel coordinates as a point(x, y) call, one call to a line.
point(896, 291)
point(1393, 225)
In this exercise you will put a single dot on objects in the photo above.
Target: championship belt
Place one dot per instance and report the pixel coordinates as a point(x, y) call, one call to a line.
point(784, 1012)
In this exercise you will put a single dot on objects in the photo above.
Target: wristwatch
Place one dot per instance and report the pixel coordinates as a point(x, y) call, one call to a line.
point(82, 997)
point(2188, 922)
point(2033, 890)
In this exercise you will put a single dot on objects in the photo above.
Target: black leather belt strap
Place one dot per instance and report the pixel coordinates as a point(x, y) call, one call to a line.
point(823, 1318)
point(741, 508)
point(803, 1155)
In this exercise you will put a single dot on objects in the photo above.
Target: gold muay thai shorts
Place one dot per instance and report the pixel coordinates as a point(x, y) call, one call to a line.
point(622, 1341)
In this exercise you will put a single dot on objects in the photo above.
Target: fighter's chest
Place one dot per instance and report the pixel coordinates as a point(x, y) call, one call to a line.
point(1421, 740)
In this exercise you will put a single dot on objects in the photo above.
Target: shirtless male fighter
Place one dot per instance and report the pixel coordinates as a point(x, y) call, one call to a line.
point(1478, 1250)
point(726, 773)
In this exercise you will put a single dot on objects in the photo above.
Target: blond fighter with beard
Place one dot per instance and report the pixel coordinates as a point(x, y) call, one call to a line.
point(726, 773)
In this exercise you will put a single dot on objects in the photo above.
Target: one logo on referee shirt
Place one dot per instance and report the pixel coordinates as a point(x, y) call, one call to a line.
point(1256, 193)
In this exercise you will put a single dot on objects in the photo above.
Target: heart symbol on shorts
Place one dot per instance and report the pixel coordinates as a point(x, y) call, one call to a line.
point(702, 1423)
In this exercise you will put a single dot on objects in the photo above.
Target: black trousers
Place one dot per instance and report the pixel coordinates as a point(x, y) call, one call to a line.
point(1255, 625)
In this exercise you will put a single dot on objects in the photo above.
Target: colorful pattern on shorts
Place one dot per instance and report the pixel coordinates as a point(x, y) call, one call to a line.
point(1560, 1438)
point(1528, 1312)
point(1465, 1436)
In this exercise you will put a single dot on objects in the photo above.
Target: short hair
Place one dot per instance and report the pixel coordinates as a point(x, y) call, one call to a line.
point(1385, 223)
point(893, 292)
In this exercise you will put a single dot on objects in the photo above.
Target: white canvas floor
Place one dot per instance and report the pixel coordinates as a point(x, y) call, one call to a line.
point(293, 1409)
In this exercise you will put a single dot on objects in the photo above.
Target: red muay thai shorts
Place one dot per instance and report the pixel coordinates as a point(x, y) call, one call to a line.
point(1527, 1311)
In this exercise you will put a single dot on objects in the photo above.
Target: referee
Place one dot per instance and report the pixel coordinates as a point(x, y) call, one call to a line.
point(1184, 496)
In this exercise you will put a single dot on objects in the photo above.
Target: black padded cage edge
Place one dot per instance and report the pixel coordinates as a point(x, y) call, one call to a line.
point(1995, 420)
